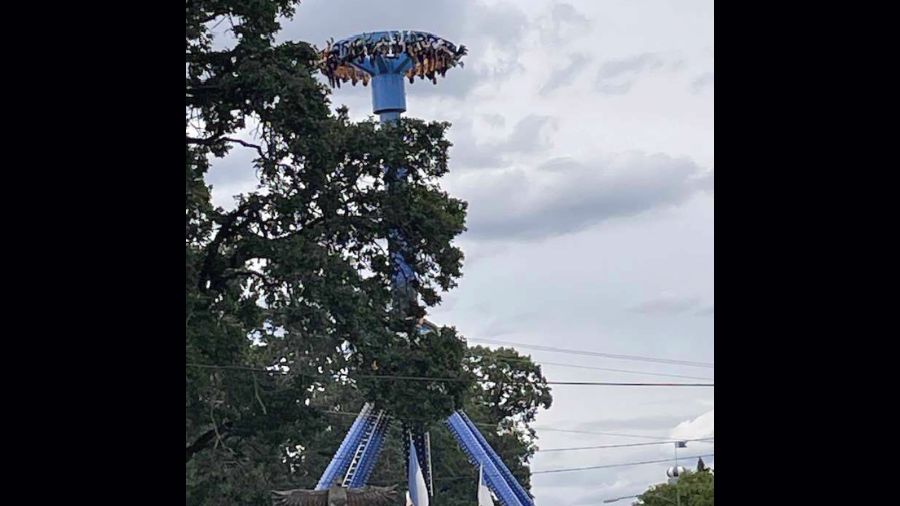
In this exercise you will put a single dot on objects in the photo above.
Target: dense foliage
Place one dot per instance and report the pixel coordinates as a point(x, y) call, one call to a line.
point(692, 489)
point(509, 390)
point(288, 307)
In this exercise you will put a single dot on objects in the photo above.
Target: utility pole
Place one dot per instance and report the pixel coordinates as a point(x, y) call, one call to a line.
point(678, 444)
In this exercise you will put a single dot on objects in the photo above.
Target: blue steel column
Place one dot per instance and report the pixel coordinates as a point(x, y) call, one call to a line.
point(389, 102)
point(477, 456)
point(520, 491)
point(341, 459)
point(370, 457)
point(387, 71)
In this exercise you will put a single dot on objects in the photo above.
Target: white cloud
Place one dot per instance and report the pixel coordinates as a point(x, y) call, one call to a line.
point(668, 303)
point(563, 76)
point(700, 427)
point(563, 195)
point(702, 82)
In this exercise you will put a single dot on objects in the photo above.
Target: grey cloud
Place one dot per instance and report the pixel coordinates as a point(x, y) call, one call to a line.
point(497, 29)
point(504, 23)
point(702, 82)
point(565, 75)
point(467, 152)
point(498, 328)
point(572, 482)
point(667, 304)
point(565, 195)
point(706, 311)
point(564, 22)
point(563, 488)
point(475, 252)
point(677, 65)
point(528, 136)
point(566, 13)
point(234, 167)
point(639, 423)
point(494, 119)
point(458, 83)
point(616, 89)
point(707, 181)
point(617, 77)
point(632, 65)
point(559, 165)
point(505, 66)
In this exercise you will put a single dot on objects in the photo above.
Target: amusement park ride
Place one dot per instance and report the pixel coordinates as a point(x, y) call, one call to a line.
point(385, 59)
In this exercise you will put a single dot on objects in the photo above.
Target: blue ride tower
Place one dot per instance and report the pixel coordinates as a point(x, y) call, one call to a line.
point(385, 59)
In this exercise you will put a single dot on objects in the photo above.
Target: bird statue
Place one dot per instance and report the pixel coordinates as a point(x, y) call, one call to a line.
point(337, 496)
point(701, 466)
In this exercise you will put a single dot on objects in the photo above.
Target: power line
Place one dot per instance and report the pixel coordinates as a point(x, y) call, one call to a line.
point(502, 359)
point(663, 440)
point(625, 445)
point(570, 469)
point(576, 383)
point(598, 354)
point(586, 468)
point(551, 429)
point(437, 378)
point(614, 384)
point(626, 371)
point(576, 366)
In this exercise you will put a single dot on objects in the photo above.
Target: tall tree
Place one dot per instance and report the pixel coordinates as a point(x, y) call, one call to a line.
point(288, 323)
point(692, 489)
point(503, 401)
point(288, 291)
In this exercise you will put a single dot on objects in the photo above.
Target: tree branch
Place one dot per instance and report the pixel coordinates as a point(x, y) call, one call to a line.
point(215, 140)
point(205, 440)
point(223, 232)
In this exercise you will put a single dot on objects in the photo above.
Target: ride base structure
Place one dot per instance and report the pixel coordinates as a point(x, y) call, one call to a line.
point(385, 59)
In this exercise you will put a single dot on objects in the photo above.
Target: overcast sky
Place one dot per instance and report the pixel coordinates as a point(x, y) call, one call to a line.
point(583, 143)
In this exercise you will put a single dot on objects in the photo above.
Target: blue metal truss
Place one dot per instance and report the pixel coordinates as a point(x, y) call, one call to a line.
point(478, 457)
point(520, 491)
point(341, 460)
point(362, 446)
point(367, 453)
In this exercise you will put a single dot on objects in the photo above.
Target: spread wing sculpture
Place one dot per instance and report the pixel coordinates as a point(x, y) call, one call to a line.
point(337, 496)
point(300, 497)
point(371, 496)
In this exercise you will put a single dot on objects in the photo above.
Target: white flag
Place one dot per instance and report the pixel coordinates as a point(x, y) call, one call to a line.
point(484, 495)
point(409, 500)
point(418, 491)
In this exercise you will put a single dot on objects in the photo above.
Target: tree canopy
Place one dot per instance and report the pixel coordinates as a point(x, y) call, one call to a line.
point(692, 489)
point(288, 315)
point(514, 381)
